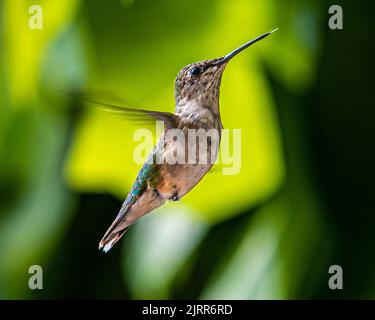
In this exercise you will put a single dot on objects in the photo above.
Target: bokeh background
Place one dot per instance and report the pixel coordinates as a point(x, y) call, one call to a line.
point(303, 201)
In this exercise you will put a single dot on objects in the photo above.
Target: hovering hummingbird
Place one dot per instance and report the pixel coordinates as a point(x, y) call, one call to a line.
point(197, 89)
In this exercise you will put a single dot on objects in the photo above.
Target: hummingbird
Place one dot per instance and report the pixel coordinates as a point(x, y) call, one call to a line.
point(197, 88)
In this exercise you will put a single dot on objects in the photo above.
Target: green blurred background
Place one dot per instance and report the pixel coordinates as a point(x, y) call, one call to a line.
point(302, 202)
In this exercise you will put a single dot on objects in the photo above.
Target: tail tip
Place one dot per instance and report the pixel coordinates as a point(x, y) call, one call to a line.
point(106, 247)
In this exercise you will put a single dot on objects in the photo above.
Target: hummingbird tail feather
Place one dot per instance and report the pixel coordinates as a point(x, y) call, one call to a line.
point(110, 239)
point(115, 231)
point(130, 211)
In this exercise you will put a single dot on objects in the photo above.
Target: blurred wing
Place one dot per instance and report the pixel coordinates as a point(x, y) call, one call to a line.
point(140, 115)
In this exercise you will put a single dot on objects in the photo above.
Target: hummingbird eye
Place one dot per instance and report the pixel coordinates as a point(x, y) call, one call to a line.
point(195, 71)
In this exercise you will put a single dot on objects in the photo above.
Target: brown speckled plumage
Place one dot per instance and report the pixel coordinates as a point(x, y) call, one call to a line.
point(197, 89)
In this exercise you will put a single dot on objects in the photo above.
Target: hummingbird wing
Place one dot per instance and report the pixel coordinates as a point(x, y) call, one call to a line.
point(141, 115)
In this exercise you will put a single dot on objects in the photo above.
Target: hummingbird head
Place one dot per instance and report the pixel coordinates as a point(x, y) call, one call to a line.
point(199, 82)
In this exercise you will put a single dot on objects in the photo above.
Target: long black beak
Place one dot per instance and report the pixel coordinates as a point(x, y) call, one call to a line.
point(243, 47)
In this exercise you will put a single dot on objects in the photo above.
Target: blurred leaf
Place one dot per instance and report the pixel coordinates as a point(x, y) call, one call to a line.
point(293, 55)
point(157, 248)
point(252, 262)
point(31, 225)
point(35, 206)
point(24, 48)
point(276, 258)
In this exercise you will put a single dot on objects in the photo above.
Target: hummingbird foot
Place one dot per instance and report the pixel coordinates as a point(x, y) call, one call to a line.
point(175, 197)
